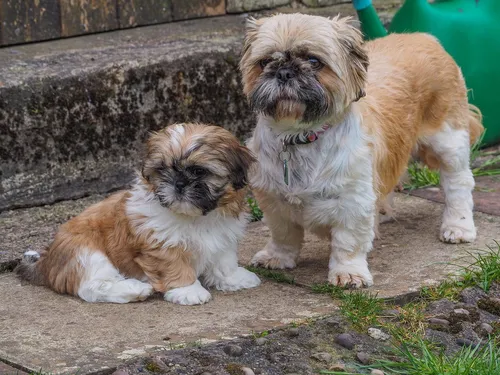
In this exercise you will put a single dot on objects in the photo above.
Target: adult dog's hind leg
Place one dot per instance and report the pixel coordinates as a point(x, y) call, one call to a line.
point(451, 148)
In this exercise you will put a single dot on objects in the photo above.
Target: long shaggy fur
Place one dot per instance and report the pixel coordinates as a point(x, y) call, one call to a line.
point(415, 104)
point(180, 222)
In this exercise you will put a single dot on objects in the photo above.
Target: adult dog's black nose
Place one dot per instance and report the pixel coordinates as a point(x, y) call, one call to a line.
point(284, 74)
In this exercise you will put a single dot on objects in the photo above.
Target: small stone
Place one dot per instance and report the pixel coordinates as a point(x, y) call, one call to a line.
point(439, 324)
point(293, 332)
point(465, 342)
point(377, 334)
point(485, 329)
point(346, 340)
point(322, 357)
point(257, 371)
point(377, 372)
point(206, 373)
point(233, 350)
point(259, 341)
point(247, 371)
point(338, 367)
point(461, 312)
point(120, 372)
point(363, 358)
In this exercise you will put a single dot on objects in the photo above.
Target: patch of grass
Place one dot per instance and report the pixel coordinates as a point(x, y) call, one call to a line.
point(361, 308)
point(255, 211)
point(449, 289)
point(422, 360)
point(410, 325)
point(485, 269)
point(278, 276)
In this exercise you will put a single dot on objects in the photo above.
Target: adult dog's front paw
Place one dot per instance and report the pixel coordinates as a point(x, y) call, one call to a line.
point(240, 279)
point(193, 294)
point(273, 260)
point(350, 276)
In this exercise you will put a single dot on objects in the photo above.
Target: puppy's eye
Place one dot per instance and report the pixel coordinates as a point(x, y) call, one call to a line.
point(314, 61)
point(264, 62)
point(196, 171)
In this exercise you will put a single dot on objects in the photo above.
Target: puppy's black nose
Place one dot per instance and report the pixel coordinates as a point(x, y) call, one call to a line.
point(180, 184)
point(284, 74)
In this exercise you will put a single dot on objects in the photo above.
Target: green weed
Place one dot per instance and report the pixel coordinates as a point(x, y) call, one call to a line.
point(423, 360)
point(255, 211)
point(278, 276)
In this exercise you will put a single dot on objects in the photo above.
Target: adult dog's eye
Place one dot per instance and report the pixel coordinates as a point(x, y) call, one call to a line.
point(196, 171)
point(264, 62)
point(314, 61)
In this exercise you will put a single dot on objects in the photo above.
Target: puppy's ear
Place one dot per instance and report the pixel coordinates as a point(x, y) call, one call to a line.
point(240, 160)
point(351, 40)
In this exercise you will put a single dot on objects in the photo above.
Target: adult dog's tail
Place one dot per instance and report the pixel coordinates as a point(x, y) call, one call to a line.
point(476, 127)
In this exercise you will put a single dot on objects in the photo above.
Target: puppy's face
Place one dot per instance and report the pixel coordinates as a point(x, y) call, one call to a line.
point(193, 169)
point(301, 70)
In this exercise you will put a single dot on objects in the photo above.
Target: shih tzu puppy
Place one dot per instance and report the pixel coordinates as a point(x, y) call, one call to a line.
point(337, 124)
point(181, 222)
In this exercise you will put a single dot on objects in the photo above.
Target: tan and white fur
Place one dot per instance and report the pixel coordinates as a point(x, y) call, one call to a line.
point(301, 72)
point(179, 224)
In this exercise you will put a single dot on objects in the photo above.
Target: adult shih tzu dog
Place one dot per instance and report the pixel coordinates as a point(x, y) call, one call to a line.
point(338, 121)
point(181, 222)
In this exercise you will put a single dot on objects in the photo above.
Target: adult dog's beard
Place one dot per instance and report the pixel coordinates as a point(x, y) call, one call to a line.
point(274, 99)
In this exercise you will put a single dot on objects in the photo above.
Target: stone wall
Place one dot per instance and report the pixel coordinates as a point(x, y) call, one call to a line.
point(23, 21)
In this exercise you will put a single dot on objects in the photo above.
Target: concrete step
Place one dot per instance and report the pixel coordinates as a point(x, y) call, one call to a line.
point(61, 334)
point(74, 112)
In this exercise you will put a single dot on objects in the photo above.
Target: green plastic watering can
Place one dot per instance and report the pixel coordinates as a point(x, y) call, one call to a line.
point(469, 30)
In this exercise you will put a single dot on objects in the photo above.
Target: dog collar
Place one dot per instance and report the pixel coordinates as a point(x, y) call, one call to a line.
point(303, 138)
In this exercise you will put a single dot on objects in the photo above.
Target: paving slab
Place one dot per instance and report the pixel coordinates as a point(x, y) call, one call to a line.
point(61, 334)
point(407, 256)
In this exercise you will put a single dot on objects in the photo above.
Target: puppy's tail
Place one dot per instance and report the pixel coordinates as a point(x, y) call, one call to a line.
point(476, 127)
point(28, 268)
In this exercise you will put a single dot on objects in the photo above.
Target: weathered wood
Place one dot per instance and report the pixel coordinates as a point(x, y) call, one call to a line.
point(87, 16)
point(186, 9)
point(29, 20)
point(13, 21)
point(143, 12)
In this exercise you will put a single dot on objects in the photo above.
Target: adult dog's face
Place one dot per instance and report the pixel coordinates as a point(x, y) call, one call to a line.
point(193, 169)
point(302, 69)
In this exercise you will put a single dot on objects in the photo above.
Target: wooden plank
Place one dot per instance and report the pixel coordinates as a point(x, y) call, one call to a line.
point(44, 19)
point(87, 16)
point(143, 12)
point(187, 9)
point(29, 20)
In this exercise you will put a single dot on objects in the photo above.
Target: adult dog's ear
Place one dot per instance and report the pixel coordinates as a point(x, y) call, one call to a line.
point(241, 160)
point(351, 40)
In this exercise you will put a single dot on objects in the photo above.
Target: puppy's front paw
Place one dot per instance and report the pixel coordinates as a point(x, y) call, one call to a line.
point(350, 276)
point(457, 234)
point(193, 294)
point(273, 260)
point(240, 279)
